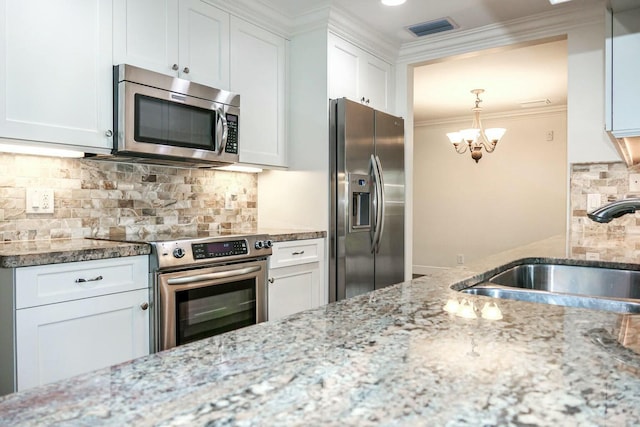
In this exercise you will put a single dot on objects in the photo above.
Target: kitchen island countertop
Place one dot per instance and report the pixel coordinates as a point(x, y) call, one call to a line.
point(392, 357)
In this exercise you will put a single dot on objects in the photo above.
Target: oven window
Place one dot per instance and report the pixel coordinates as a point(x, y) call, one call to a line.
point(158, 121)
point(212, 310)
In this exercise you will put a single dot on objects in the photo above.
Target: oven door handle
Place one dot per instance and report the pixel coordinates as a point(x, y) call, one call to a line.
point(213, 276)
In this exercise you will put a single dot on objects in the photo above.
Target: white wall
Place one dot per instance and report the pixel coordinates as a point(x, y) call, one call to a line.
point(584, 30)
point(298, 198)
point(513, 196)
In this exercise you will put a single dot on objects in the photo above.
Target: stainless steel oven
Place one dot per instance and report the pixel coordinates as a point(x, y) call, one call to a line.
point(199, 303)
point(207, 286)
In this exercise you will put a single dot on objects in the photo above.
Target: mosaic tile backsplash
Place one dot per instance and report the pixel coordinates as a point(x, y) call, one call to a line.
point(611, 182)
point(108, 199)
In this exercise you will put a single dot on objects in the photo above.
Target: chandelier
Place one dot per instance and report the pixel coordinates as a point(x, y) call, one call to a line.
point(476, 137)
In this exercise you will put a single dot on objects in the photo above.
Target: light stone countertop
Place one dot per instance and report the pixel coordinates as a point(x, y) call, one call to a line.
point(40, 252)
point(392, 357)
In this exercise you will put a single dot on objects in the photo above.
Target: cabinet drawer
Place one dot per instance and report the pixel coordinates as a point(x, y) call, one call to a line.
point(47, 284)
point(297, 252)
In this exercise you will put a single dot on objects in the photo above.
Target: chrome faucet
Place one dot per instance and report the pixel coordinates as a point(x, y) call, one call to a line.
point(614, 210)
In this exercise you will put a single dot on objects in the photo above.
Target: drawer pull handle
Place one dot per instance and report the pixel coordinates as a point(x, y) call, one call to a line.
point(144, 305)
point(297, 253)
point(95, 279)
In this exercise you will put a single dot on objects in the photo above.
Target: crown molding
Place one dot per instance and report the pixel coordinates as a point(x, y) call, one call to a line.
point(522, 30)
point(258, 13)
point(348, 27)
point(525, 112)
point(354, 30)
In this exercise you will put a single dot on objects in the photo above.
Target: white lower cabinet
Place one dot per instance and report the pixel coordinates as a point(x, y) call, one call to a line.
point(296, 277)
point(99, 317)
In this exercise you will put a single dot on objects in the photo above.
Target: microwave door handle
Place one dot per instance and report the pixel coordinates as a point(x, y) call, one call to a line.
point(221, 129)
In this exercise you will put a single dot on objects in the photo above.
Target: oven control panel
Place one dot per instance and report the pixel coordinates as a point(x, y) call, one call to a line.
point(209, 250)
point(219, 249)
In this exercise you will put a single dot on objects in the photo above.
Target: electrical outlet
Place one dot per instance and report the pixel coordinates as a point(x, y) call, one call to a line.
point(593, 201)
point(230, 200)
point(460, 259)
point(549, 135)
point(39, 200)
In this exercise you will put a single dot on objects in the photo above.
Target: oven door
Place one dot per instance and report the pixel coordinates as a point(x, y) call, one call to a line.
point(200, 303)
point(154, 122)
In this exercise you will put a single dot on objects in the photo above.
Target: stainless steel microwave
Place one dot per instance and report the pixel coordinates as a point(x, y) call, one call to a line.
point(166, 120)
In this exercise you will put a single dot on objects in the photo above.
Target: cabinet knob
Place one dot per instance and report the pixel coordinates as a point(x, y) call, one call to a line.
point(271, 280)
point(186, 70)
point(174, 67)
point(364, 100)
point(144, 305)
point(109, 133)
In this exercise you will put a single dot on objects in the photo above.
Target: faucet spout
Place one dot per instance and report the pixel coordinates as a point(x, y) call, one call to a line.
point(614, 210)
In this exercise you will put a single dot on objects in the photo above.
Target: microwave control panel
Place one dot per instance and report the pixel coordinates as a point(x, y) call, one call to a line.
point(232, 134)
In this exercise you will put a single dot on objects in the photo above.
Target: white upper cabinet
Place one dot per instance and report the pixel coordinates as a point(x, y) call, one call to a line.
point(623, 63)
point(358, 75)
point(258, 74)
point(184, 38)
point(56, 80)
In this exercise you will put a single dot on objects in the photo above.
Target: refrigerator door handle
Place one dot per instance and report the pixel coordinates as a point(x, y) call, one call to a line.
point(377, 202)
point(374, 201)
point(382, 202)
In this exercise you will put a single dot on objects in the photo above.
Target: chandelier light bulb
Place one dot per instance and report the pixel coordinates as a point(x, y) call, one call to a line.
point(470, 135)
point(494, 134)
point(454, 137)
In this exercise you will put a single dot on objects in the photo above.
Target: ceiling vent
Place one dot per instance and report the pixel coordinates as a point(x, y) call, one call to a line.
point(432, 27)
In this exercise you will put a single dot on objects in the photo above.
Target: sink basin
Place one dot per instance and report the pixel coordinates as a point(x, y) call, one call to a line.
point(612, 289)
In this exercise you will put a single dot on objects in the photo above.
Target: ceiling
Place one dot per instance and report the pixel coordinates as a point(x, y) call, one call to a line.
point(512, 79)
point(391, 21)
point(442, 90)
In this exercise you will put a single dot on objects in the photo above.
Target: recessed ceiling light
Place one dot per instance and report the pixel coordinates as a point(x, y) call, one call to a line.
point(395, 2)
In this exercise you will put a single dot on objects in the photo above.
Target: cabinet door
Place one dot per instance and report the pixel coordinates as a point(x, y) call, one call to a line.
point(376, 78)
point(56, 78)
point(358, 75)
point(344, 69)
point(61, 340)
point(258, 74)
point(146, 34)
point(293, 289)
point(204, 44)
point(626, 62)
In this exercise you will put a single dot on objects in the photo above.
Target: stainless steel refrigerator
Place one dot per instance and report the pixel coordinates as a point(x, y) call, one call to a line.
point(367, 199)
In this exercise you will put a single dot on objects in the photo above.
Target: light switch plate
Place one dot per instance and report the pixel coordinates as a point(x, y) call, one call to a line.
point(634, 182)
point(39, 200)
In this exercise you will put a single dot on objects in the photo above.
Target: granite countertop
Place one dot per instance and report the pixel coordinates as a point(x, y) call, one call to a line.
point(39, 252)
point(392, 357)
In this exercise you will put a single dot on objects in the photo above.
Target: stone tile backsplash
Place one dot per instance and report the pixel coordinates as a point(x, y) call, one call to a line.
point(109, 199)
point(611, 182)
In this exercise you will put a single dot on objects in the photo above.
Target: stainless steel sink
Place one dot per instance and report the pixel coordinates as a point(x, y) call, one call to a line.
point(612, 289)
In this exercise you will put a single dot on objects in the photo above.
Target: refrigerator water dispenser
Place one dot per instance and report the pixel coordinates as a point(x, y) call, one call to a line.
point(360, 197)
